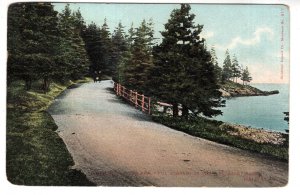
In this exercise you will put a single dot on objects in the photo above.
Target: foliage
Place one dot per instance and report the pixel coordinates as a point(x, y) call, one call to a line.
point(42, 45)
point(92, 38)
point(33, 41)
point(73, 57)
point(119, 47)
point(227, 68)
point(236, 69)
point(246, 76)
point(139, 60)
point(214, 60)
point(183, 66)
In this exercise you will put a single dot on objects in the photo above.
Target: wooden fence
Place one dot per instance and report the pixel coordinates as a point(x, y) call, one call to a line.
point(139, 100)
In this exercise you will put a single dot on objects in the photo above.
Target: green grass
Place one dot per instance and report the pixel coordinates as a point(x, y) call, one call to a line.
point(36, 155)
point(210, 129)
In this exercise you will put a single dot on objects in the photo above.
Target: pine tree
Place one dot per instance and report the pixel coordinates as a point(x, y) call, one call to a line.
point(236, 69)
point(119, 47)
point(37, 43)
point(127, 55)
point(246, 76)
point(92, 38)
point(214, 60)
point(105, 49)
point(227, 68)
point(140, 58)
point(15, 23)
point(183, 72)
point(73, 59)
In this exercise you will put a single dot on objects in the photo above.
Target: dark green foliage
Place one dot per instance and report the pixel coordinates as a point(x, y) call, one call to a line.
point(210, 129)
point(236, 69)
point(227, 72)
point(245, 77)
point(105, 50)
point(73, 58)
point(92, 39)
point(139, 60)
point(43, 46)
point(100, 49)
point(33, 42)
point(183, 72)
point(119, 47)
point(214, 60)
point(14, 21)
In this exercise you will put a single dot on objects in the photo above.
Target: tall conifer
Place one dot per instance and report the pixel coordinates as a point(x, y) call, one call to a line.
point(183, 72)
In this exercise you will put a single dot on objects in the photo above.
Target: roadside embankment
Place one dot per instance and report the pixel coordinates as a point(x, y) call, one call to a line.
point(274, 144)
point(36, 155)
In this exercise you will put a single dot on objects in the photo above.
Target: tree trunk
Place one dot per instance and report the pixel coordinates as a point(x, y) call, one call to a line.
point(46, 84)
point(175, 110)
point(185, 112)
point(28, 83)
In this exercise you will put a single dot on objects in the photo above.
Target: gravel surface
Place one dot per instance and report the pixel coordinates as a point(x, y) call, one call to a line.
point(117, 145)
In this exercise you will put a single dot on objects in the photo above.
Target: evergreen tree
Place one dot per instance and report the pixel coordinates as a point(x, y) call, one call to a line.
point(127, 55)
point(246, 76)
point(119, 47)
point(36, 44)
point(105, 49)
point(74, 58)
point(140, 58)
point(227, 67)
point(214, 60)
point(183, 72)
point(92, 39)
point(15, 23)
point(236, 69)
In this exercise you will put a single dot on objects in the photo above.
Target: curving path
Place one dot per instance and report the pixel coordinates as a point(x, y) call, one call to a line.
point(116, 145)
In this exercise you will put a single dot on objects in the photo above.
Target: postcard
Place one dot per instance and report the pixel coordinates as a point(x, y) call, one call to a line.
point(148, 94)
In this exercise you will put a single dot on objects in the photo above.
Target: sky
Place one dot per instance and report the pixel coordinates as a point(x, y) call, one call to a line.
point(258, 35)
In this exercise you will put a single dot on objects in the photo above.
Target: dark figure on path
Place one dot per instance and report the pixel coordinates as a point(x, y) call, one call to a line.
point(96, 76)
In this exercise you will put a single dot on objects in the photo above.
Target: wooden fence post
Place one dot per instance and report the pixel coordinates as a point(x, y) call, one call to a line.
point(136, 100)
point(149, 105)
point(117, 88)
point(143, 102)
point(133, 97)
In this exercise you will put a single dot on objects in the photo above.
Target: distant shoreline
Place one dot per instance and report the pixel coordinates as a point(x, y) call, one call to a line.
point(231, 89)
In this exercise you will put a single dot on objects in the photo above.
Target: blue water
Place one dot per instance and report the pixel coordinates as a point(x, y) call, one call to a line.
point(259, 111)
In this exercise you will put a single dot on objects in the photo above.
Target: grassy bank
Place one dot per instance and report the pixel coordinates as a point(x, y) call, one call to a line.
point(36, 155)
point(218, 132)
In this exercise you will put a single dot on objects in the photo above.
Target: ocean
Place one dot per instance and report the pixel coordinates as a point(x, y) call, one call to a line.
point(259, 111)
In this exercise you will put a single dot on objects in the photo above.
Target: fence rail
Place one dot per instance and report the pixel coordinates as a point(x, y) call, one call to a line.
point(139, 100)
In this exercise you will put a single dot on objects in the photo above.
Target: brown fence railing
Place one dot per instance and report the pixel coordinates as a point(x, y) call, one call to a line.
point(139, 100)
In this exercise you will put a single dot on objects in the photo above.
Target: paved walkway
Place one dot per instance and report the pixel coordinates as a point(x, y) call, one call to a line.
point(117, 145)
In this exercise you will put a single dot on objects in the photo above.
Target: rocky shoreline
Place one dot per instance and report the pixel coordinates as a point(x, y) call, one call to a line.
point(254, 134)
point(231, 89)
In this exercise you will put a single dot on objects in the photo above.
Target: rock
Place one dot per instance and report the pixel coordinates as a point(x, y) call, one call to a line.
point(257, 135)
point(237, 90)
